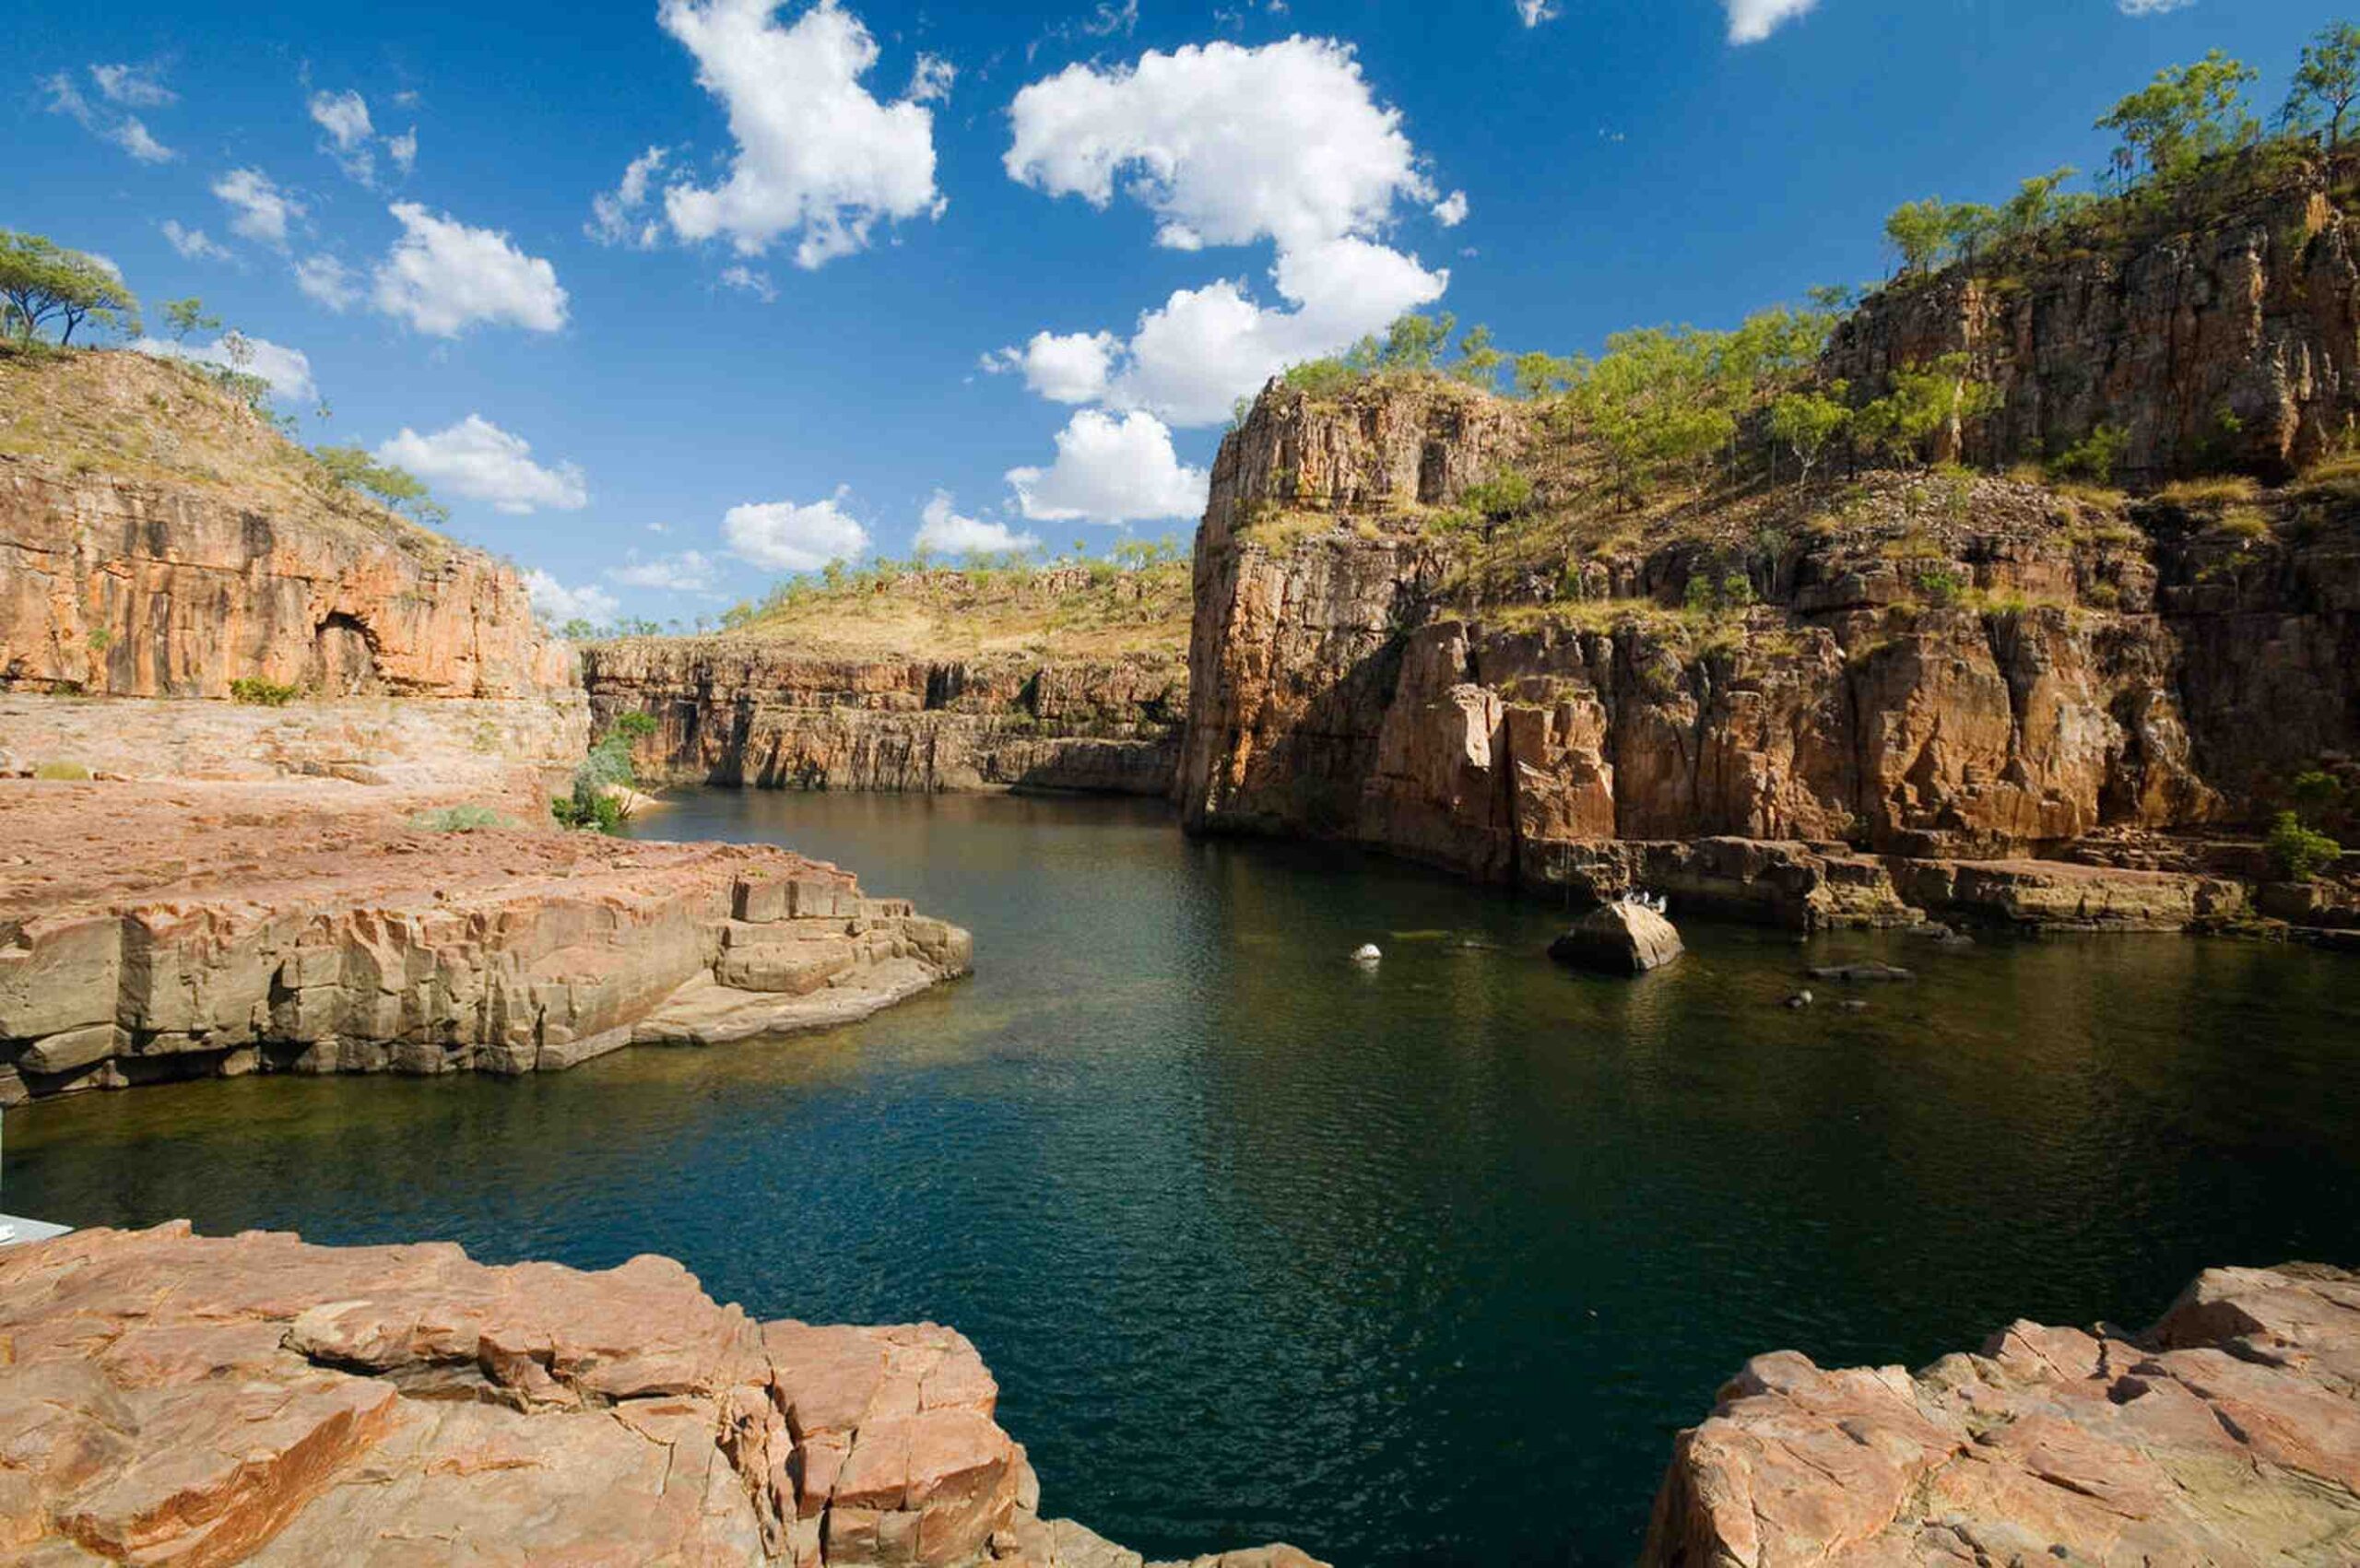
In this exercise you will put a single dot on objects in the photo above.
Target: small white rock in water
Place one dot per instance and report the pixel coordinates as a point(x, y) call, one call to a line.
point(1366, 953)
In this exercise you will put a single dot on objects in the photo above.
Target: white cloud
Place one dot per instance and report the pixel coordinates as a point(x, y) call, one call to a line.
point(1072, 367)
point(136, 85)
point(819, 158)
point(613, 214)
point(289, 371)
point(942, 530)
point(478, 459)
point(2152, 7)
point(125, 131)
point(931, 79)
point(259, 209)
point(443, 277)
point(1110, 470)
point(329, 281)
point(1532, 13)
point(1226, 145)
point(1451, 211)
point(690, 571)
point(557, 604)
point(1751, 22)
point(403, 150)
point(344, 117)
point(786, 538)
point(194, 244)
point(749, 280)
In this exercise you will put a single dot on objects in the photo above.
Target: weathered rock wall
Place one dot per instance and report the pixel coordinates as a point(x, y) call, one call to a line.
point(745, 711)
point(2227, 1435)
point(1950, 666)
point(2236, 343)
point(128, 587)
point(251, 1399)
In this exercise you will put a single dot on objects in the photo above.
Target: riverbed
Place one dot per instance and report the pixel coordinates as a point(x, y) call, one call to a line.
point(1424, 1263)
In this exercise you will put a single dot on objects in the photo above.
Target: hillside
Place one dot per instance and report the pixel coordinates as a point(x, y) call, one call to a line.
point(1065, 610)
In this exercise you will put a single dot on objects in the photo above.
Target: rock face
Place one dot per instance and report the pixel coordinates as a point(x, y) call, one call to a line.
point(2237, 342)
point(155, 574)
point(1934, 668)
point(175, 1398)
point(185, 929)
point(2227, 1435)
point(1617, 939)
point(748, 711)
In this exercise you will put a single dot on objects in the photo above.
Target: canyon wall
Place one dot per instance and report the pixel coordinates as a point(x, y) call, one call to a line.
point(756, 712)
point(2234, 344)
point(1935, 667)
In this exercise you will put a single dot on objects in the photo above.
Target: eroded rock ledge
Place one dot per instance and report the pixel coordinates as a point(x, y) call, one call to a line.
point(2228, 1434)
point(173, 930)
point(168, 1397)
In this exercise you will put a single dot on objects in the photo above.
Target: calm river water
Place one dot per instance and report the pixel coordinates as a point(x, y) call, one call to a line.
point(1423, 1264)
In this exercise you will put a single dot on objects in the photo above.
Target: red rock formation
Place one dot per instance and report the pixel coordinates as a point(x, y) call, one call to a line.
point(168, 1397)
point(2227, 1435)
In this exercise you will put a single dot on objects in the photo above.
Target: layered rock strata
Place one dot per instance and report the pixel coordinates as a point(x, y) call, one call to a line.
point(173, 930)
point(206, 1401)
point(1927, 667)
point(2227, 1435)
point(752, 711)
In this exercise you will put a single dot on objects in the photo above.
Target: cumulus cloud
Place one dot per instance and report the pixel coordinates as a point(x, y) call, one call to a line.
point(344, 116)
point(1227, 146)
point(748, 280)
point(1451, 211)
point(139, 87)
point(615, 215)
point(931, 79)
point(476, 459)
point(289, 371)
point(1751, 22)
point(259, 209)
point(1072, 367)
point(690, 571)
point(125, 131)
point(1110, 469)
point(403, 150)
point(557, 604)
point(329, 281)
point(194, 244)
point(1532, 13)
point(819, 158)
point(942, 530)
point(783, 536)
point(441, 277)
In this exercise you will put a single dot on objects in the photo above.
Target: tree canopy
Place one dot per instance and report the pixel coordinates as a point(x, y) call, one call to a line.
point(42, 285)
point(2187, 115)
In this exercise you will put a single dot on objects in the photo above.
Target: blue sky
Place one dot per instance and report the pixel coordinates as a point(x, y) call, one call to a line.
point(987, 273)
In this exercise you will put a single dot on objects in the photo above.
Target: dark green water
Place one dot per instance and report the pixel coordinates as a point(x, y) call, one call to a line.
point(1420, 1266)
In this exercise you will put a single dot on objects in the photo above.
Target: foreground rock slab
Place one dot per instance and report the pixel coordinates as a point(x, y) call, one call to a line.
point(171, 1398)
point(2228, 1434)
point(1619, 938)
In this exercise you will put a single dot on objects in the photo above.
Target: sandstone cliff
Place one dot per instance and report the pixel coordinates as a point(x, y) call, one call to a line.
point(1929, 665)
point(760, 711)
point(2227, 1435)
point(177, 1399)
point(158, 539)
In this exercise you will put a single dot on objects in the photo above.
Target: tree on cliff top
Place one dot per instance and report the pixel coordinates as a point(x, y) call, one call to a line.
point(2326, 83)
point(2187, 115)
point(401, 490)
point(43, 283)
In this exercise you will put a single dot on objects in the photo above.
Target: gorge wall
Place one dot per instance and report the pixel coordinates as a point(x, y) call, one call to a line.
point(1941, 666)
point(755, 711)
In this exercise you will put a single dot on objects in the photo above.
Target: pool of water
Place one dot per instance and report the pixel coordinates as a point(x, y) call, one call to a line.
point(1419, 1265)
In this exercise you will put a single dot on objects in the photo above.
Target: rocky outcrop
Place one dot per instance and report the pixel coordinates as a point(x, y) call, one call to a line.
point(134, 573)
point(2234, 343)
point(753, 711)
point(2227, 1435)
point(169, 1398)
point(1617, 939)
point(1927, 667)
point(166, 931)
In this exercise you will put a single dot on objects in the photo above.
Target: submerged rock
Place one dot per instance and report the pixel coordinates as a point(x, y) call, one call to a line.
point(1617, 939)
point(1871, 974)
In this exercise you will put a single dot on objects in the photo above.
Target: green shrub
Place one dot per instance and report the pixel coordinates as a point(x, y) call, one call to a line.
point(1940, 585)
point(61, 771)
point(458, 819)
point(604, 778)
point(2096, 458)
point(263, 693)
point(2298, 854)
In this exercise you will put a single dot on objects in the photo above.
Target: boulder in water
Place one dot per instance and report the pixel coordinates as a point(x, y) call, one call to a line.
point(1366, 953)
point(1869, 973)
point(1617, 939)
